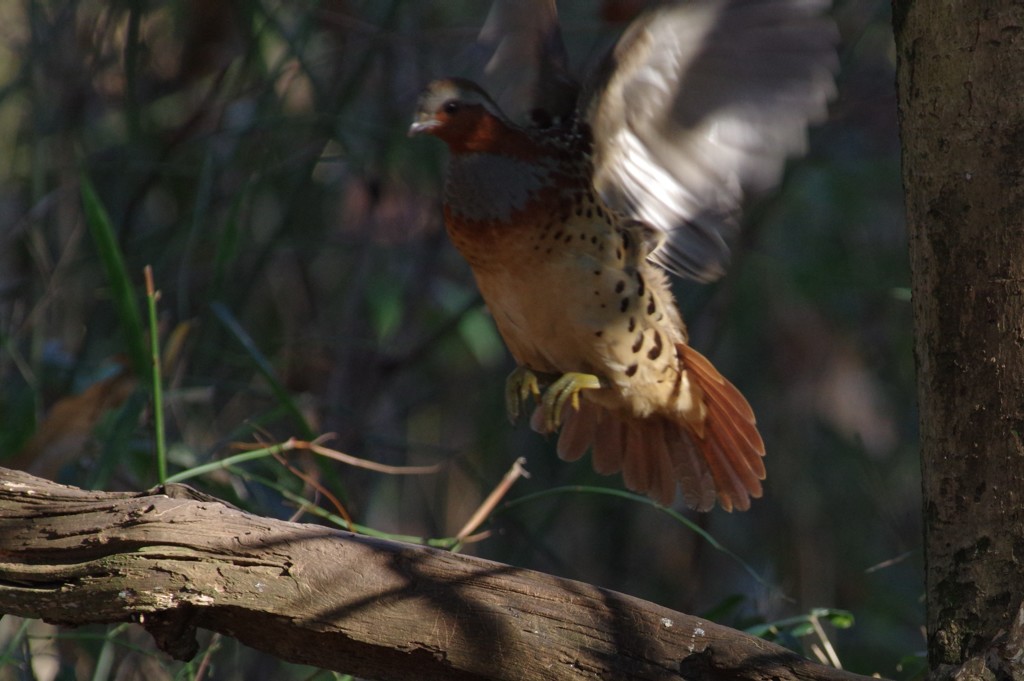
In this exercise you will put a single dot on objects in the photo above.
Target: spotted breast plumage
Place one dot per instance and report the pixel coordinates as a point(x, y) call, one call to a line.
point(570, 219)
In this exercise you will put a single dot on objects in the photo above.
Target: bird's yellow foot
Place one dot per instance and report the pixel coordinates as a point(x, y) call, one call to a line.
point(519, 385)
point(566, 388)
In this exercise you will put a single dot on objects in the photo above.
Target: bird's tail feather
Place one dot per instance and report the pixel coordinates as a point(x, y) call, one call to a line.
point(719, 457)
point(730, 443)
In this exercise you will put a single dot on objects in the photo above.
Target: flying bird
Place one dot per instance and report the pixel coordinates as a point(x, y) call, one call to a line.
point(574, 200)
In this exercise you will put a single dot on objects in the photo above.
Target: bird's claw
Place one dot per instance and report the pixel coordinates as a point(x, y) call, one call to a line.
point(566, 388)
point(519, 385)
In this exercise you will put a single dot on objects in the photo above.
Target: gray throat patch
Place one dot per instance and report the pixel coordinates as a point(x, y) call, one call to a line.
point(484, 186)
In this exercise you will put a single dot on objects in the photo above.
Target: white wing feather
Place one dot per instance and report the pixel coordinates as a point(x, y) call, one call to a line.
point(697, 109)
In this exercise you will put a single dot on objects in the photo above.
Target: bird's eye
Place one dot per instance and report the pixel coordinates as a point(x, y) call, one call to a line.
point(450, 107)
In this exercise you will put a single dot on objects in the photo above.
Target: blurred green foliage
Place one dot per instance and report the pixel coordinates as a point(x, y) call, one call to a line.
point(253, 152)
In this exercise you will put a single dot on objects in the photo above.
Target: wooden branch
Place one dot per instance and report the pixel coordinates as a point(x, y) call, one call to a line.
point(174, 560)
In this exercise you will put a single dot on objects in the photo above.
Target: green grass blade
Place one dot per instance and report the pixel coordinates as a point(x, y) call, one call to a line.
point(840, 619)
point(227, 462)
point(231, 463)
point(313, 509)
point(264, 367)
point(622, 494)
point(229, 243)
point(115, 435)
point(122, 291)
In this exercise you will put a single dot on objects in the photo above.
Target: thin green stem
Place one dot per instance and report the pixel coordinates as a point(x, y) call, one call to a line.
point(105, 660)
point(228, 463)
point(313, 509)
point(231, 464)
point(152, 295)
point(9, 656)
point(678, 517)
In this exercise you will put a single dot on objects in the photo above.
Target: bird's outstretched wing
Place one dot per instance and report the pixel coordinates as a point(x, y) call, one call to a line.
point(697, 108)
point(528, 64)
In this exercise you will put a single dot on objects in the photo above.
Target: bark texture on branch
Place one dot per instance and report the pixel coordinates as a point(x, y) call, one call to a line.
point(174, 561)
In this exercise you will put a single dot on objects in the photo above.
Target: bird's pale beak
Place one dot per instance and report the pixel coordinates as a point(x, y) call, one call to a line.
point(423, 123)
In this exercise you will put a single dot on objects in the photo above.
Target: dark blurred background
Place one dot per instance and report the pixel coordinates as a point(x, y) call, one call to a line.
point(253, 152)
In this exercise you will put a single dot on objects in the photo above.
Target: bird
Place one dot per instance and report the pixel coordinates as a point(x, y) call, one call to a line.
point(574, 200)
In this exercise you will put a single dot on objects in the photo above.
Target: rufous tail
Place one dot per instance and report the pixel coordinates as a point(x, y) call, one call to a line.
point(718, 458)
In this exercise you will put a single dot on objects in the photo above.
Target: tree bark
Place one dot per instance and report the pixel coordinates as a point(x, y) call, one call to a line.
point(960, 78)
point(173, 560)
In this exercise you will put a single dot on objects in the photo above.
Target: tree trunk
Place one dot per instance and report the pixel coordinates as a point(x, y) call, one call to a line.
point(174, 560)
point(961, 105)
